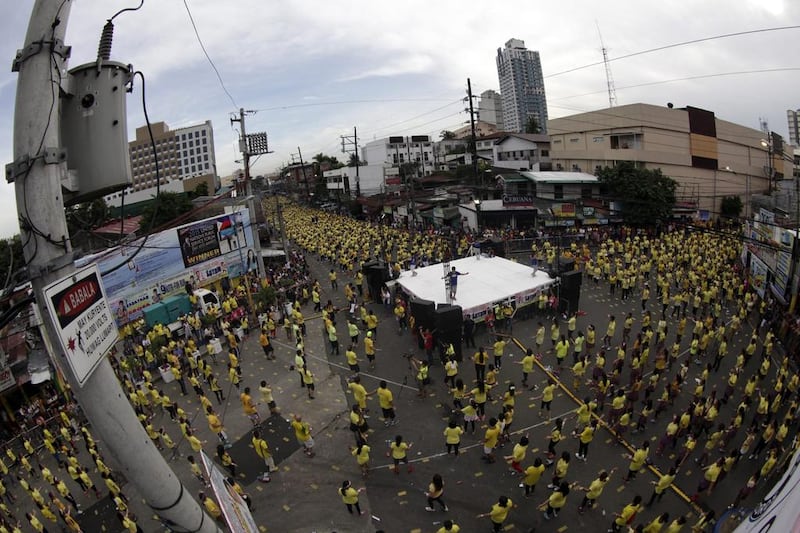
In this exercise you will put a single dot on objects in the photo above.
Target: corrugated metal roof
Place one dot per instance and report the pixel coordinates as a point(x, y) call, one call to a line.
point(129, 226)
point(560, 177)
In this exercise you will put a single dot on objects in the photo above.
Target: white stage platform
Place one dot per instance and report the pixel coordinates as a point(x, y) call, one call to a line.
point(490, 280)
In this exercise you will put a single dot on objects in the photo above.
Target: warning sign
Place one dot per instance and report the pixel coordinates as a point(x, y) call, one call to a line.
point(86, 327)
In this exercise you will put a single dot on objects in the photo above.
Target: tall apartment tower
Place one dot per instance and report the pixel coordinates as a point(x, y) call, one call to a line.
point(793, 118)
point(521, 86)
point(490, 109)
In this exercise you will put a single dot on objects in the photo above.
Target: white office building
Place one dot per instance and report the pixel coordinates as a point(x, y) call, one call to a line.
point(793, 119)
point(490, 109)
point(185, 159)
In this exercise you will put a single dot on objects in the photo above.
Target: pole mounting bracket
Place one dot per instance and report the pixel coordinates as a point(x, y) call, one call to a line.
point(23, 164)
point(54, 47)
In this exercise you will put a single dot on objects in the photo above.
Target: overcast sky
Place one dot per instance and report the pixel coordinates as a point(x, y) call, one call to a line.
point(315, 69)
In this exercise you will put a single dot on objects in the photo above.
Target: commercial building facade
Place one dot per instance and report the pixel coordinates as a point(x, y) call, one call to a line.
point(519, 71)
point(710, 158)
point(185, 159)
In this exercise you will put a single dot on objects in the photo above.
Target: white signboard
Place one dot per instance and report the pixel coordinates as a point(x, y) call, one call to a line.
point(86, 327)
point(233, 507)
point(6, 378)
point(779, 511)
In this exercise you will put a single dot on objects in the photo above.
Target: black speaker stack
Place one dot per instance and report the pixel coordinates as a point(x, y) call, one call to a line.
point(449, 322)
point(570, 291)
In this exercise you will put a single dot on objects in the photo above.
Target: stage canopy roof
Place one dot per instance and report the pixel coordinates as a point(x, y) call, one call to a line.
point(490, 280)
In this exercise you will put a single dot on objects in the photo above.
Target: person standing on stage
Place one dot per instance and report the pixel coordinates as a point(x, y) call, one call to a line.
point(452, 281)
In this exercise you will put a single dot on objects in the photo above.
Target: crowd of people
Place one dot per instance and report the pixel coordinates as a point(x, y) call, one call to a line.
point(694, 305)
point(673, 368)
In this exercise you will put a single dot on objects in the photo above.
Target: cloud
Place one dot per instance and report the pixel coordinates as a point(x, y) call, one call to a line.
point(363, 62)
point(412, 64)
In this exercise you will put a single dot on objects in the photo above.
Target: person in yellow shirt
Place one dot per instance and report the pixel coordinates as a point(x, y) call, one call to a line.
point(249, 407)
point(527, 365)
point(210, 505)
point(399, 451)
point(359, 392)
point(386, 401)
point(350, 495)
point(657, 524)
point(532, 475)
point(499, 513)
point(627, 515)
point(452, 434)
point(556, 501)
point(448, 526)
point(638, 460)
point(262, 450)
point(661, 486)
point(302, 432)
point(594, 491)
point(518, 455)
point(361, 453)
point(498, 348)
point(216, 427)
point(490, 439)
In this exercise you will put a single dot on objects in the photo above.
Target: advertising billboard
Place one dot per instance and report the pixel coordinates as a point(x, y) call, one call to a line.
point(198, 253)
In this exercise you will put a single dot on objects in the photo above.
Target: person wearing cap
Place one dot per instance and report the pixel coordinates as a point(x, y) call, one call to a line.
point(369, 348)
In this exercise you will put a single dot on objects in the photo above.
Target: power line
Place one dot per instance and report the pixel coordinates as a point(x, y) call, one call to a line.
point(208, 57)
point(688, 78)
point(342, 102)
point(674, 45)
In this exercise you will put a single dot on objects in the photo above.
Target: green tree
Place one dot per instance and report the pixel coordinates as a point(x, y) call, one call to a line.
point(532, 126)
point(11, 262)
point(446, 135)
point(321, 159)
point(87, 216)
point(731, 206)
point(647, 196)
point(201, 189)
point(408, 171)
point(166, 208)
point(354, 161)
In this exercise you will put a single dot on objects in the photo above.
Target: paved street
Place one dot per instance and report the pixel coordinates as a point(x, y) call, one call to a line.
point(303, 496)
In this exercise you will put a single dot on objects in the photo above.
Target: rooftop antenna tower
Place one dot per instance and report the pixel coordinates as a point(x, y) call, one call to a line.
point(612, 92)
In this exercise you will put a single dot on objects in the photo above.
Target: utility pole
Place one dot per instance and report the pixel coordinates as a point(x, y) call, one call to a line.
point(250, 145)
point(303, 169)
point(473, 143)
point(410, 183)
point(352, 140)
point(39, 164)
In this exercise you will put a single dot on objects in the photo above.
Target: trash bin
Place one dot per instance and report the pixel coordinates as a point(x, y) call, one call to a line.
point(166, 374)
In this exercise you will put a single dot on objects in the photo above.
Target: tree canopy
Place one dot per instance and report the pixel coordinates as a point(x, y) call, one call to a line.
point(532, 126)
point(321, 158)
point(731, 206)
point(86, 216)
point(12, 262)
point(647, 196)
point(446, 135)
point(170, 206)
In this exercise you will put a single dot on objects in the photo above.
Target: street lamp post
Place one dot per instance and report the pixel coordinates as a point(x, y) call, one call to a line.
point(477, 202)
point(767, 143)
point(746, 188)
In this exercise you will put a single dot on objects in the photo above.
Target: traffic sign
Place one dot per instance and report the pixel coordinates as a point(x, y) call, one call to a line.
point(86, 327)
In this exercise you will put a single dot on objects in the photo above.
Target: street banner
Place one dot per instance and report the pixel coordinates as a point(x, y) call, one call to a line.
point(233, 507)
